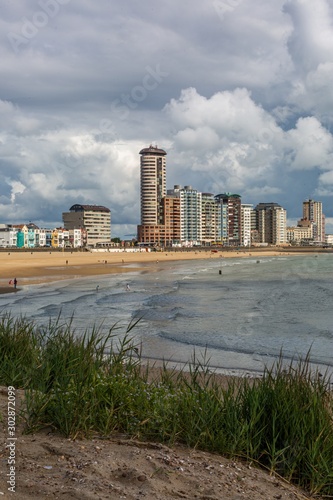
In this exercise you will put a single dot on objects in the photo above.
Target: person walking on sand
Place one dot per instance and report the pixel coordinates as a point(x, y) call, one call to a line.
point(15, 282)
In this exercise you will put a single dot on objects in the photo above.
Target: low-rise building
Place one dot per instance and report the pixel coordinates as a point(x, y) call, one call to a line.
point(8, 236)
point(94, 219)
point(297, 234)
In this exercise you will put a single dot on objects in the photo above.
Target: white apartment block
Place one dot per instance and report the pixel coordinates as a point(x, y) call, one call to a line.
point(329, 239)
point(247, 211)
point(76, 238)
point(8, 236)
point(190, 216)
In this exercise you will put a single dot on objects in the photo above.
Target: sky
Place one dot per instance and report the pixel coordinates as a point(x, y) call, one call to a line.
point(239, 93)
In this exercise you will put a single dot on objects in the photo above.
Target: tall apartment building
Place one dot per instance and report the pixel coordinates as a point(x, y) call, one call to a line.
point(94, 219)
point(229, 222)
point(209, 218)
point(313, 212)
point(247, 226)
point(170, 230)
point(165, 234)
point(190, 216)
point(271, 223)
point(152, 184)
point(152, 192)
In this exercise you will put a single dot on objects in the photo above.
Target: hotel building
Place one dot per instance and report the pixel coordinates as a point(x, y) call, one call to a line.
point(94, 219)
point(300, 233)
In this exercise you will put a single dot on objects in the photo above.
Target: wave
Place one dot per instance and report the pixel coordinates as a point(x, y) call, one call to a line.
point(256, 355)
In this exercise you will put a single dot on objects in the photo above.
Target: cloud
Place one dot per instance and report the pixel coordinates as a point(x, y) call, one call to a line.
point(238, 93)
point(228, 137)
point(310, 44)
point(311, 145)
point(17, 188)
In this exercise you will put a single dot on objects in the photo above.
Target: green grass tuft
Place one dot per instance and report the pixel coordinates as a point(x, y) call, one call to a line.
point(97, 384)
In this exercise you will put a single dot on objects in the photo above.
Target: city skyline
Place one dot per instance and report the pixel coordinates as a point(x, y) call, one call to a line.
point(186, 216)
point(154, 197)
point(238, 95)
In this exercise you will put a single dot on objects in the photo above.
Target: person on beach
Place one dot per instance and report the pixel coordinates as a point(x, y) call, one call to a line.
point(127, 288)
point(15, 282)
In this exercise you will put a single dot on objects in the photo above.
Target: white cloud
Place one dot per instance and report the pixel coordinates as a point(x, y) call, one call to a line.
point(17, 188)
point(312, 145)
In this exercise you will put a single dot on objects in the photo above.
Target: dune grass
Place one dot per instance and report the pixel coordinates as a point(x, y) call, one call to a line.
point(96, 385)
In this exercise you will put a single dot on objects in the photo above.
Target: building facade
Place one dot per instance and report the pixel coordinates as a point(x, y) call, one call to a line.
point(209, 218)
point(95, 220)
point(190, 216)
point(247, 227)
point(229, 221)
point(170, 230)
point(152, 184)
point(152, 230)
point(8, 236)
point(271, 223)
point(313, 212)
point(299, 234)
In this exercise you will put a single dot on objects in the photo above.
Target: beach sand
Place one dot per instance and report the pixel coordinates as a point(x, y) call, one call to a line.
point(50, 466)
point(47, 465)
point(32, 267)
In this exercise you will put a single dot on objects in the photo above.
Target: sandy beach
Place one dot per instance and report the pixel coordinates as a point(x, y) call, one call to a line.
point(32, 267)
point(51, 466)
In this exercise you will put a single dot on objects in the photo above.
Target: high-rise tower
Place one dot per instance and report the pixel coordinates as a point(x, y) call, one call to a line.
point(313, 212)
point(229, 220)
point(271, 223)
point(152, 184)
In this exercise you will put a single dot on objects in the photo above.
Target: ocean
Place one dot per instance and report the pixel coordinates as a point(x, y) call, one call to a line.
point(236, 314)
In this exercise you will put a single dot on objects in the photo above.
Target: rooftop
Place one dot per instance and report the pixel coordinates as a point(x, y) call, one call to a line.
point(88, 208)
point(152, 150)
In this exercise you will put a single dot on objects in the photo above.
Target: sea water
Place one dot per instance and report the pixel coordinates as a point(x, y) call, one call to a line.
point(237, 314)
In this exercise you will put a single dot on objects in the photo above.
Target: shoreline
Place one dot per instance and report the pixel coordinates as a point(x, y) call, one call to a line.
point(44, 267)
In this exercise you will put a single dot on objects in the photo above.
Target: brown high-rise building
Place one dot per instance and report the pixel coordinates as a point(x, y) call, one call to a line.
point(229, 219)
point(313, 212)
point(271, 223)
